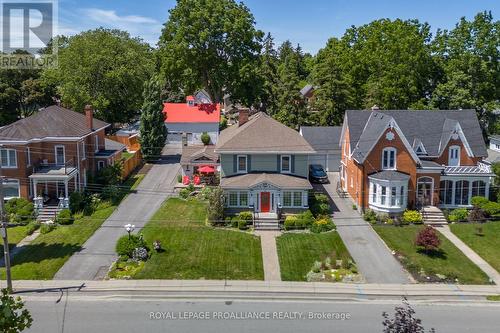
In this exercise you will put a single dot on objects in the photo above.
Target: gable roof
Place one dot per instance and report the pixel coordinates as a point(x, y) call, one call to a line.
point(191, 153)
point(322, 138)
point(198, 113)
point(432, 128)
point(261, 133)
point(51, 122)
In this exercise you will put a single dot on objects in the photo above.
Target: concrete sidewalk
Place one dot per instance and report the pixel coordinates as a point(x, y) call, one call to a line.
point(270, 259)
point(469, 253)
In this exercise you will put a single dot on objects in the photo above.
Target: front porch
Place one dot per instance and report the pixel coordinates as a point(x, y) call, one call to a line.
point(51, 185)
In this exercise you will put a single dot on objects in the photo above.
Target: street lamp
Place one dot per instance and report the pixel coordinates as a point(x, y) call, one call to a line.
point(129, 228)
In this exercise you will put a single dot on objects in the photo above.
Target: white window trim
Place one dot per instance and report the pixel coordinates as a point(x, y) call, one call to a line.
point(64, 153)
point(238, 199)
point(99, 163)
point(96, 142)
point(28, 156)
point(389, 150)
point(238, 164)
point(292, 196)
point(452, 148)
point(8, 159)
point(84, 151)
point(289, 164)
point(12, 180)
point(400, 202)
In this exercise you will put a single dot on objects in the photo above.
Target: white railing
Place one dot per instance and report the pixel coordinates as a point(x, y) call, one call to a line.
point(38, 202)
point(63, 203)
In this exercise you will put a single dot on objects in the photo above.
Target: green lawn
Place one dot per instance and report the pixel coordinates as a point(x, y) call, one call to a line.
point(487, 245)
point(41, 259)
point(449, 261)
point(16, 234)
point(297, 252)
point(196, 251)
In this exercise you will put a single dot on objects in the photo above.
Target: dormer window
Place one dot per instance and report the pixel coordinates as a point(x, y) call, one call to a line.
point(389, 159)
point(454, 156)
point(190, 103)
point(420, 150)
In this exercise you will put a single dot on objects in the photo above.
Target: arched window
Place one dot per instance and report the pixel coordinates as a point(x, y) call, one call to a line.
point(478, 188)
point(462, 192)
point(389, 158)
point(445, 192)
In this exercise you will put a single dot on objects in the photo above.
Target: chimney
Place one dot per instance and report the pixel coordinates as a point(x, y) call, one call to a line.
point(243, 116)
point(184, 139)
point(89, 115)
point(375, 108)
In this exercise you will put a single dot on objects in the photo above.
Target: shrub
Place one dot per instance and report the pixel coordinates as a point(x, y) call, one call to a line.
point(110, 175)
point(390, 221)
point(215, 208)
point(491, 208)
point(354, 207)
point(140, 254)
point(64, 217)
point(205, 193)
point(458, 215)
point(19, 210)
point(46, 228)
point(476, 215)
point(126, 246)
point(242, 224)
point(32, 227)
point(227, 220)
point(428, 239)
point(245, 216)
point(479, 201)
point(322, 225)
point(370, 216)
point(222, 123)
point(411, 216)
point(205, 138)
point(76, 202)
point(290, 222)
point(179, 178)
point(184, 193)
point(319, 204)
point(305, 219)
point(234, 222)
point(113, 193)
point(382, 217)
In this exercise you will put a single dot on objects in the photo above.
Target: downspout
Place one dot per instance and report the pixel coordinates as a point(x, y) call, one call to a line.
point(363, 189)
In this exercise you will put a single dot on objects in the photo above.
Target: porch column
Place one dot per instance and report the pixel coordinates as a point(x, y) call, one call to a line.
point(470, 192)
point(453, 192)
point(66, 189)
point(76, 183)
point(35, 183)
point(487, 189)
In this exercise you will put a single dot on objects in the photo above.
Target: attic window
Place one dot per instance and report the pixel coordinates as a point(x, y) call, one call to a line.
point(190, 103)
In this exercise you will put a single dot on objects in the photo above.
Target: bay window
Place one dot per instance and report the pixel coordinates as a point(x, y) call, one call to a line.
point(387, 196)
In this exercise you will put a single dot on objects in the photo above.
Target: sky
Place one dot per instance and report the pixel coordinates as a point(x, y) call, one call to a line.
point(309, 23)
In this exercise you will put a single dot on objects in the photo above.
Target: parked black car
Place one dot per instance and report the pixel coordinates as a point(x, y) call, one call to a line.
point(317, 174)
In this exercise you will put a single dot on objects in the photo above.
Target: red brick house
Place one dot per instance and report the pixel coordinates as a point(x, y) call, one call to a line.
point(393, 160)
point(50, 154)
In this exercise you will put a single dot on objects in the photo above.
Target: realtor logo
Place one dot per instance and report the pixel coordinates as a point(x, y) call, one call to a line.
point(28, 26)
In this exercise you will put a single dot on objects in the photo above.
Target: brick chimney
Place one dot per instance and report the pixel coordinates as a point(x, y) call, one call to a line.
point(243, 116)
point(89, 116)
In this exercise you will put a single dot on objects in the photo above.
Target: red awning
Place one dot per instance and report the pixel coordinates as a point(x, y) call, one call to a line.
point(206, 169)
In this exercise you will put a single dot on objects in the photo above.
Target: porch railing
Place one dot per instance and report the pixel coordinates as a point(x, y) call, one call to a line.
point(63, 203)
point(41, 166)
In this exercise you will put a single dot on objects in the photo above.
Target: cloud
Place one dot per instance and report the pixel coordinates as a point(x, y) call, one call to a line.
point(110, 16)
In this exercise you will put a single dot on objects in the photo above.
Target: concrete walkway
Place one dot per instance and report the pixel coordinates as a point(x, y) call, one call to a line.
point(373, 258)
point(19, 246)
point(469, 253)
point(98, 252)
point(270, 254)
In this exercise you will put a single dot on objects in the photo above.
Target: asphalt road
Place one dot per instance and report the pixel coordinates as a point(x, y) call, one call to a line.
point(98, 252)
point(106, 314)
point(373, 258)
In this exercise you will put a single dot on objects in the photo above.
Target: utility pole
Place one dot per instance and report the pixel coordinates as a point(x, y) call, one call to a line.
point(3, 222)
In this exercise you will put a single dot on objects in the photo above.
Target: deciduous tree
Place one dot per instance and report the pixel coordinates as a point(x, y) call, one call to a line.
point(152, 129)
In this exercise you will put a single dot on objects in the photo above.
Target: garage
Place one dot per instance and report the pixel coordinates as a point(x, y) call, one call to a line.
point(325, 141)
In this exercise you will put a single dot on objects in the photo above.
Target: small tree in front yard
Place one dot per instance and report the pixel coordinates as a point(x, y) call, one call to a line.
point(216, 206)
point(428, 239)
point(153, 132)
point(13, 317)
point(404, 320)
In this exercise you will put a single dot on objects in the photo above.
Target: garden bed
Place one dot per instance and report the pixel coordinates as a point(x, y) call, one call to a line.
point(447, 265)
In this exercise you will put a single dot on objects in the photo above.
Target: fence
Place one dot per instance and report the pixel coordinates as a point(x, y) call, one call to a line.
point(131, 164)
point(132, 142)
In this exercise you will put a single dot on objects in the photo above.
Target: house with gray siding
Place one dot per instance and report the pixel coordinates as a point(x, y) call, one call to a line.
point(264, 166)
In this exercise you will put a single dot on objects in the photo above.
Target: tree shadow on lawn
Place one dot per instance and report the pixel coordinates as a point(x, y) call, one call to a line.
point(433, 254)
point(35, 253)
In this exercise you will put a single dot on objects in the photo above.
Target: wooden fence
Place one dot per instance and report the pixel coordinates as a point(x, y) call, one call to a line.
point(130, 164)
point(132, 142)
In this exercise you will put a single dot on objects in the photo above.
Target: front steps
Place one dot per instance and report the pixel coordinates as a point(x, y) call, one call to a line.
point(266, 221)
point(48, 213)
point(433, 216)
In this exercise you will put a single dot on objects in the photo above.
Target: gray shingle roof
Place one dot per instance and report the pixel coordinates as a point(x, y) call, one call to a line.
point(252, 179)
point(390, 175)
point(323, 139)
point(432, 128)
point(53, 121)
point(189, 153)
point(261, 133)
point(493, 156)
point(430, 164)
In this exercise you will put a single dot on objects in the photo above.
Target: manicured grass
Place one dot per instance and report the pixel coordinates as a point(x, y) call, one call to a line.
point(196, 251)
point(16, 234)
point(298, 251)
point(494, 298)
point(487, 245)
point(448, 261)
point(41, 259)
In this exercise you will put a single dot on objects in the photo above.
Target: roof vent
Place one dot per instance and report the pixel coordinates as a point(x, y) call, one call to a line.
point(375, 107)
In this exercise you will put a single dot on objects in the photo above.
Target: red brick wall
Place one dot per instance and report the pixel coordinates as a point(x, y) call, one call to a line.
point(464, 158)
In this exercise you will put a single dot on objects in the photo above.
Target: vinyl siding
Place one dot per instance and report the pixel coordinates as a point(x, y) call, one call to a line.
point(264, 163)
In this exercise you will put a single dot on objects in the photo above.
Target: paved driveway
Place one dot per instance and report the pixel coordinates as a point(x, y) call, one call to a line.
point(374, 260)
point(98, 253)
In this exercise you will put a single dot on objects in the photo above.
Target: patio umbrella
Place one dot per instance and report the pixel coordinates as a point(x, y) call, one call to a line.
point(206, 169)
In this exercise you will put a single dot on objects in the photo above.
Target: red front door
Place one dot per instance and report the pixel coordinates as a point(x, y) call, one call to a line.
point(265, 202)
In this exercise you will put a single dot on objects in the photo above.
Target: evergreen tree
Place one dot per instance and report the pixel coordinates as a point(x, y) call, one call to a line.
point(152, 129)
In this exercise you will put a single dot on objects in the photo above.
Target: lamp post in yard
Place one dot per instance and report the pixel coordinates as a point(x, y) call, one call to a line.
point(129, 227)
point(3, 223)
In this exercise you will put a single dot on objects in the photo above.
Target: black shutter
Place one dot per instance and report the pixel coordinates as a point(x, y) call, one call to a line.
point(249, 163)
point(293, 163)
point(235, 165)
point(278, 163)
